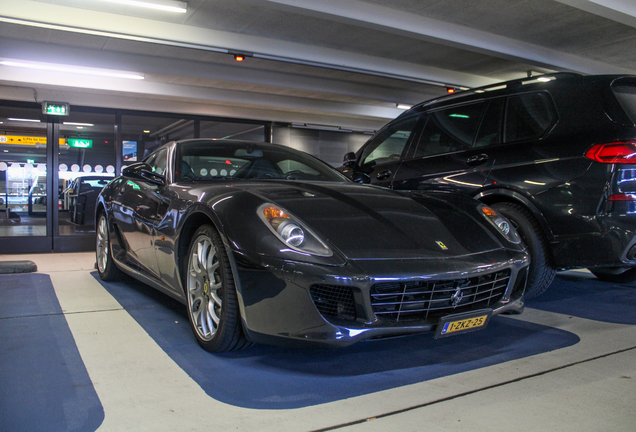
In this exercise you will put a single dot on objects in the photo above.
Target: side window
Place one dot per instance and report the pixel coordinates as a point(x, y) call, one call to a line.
point(528, 117)
point(450, 130)
point(159, 161)
point(490, 129)
point(390, 144)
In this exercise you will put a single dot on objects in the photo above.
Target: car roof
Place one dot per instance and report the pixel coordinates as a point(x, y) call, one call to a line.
point(532, 83)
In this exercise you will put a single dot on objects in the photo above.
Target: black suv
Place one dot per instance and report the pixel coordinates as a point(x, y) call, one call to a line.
point(556, 154)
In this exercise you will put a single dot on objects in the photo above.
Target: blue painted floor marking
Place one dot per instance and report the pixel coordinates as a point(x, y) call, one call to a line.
point(583, 296)
point(265, 377)
point(44, 385)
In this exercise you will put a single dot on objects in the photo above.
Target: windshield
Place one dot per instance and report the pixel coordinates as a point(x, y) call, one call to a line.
point(209, 160)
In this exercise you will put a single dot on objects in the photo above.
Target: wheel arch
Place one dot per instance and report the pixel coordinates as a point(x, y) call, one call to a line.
point(189, 227)
point(191, 224)
point(495, 196)
point(99, 207)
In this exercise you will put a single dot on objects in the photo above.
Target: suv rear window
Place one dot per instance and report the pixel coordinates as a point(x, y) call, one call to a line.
point(626, 95)
point(528, 117)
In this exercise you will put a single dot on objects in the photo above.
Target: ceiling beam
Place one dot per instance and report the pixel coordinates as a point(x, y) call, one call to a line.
point(156, 90)
point(195, 106)
point(386, 19)
point(46, 15)
point(621, 11)
point(245, 72)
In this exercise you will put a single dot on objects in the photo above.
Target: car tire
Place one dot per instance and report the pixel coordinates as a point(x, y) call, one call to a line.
point(106, 267)
point(614, 275)
point(212, 301)
point(541, 271)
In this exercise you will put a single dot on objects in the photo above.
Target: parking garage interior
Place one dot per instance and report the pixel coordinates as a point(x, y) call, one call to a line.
point(89, 87)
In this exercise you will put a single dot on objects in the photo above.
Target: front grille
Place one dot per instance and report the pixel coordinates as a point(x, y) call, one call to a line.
point(429, 300)
point(334, 301)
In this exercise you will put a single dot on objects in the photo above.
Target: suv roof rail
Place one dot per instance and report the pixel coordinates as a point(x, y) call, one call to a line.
point(505, 84)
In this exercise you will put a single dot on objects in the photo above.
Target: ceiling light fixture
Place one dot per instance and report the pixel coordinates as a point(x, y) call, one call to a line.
point(72, 69)
point(404, 106)
point(78, 124)
point(164, 5)
point(24, 120)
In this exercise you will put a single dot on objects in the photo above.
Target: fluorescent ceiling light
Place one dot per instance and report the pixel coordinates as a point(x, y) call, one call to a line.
point(404, 106)
point(72, 69)
point(24, 120)
point(164, 5)
point(78, 124)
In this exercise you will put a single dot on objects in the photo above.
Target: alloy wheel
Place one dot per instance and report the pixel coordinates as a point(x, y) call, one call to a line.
point(102, 244)
point(205, 288)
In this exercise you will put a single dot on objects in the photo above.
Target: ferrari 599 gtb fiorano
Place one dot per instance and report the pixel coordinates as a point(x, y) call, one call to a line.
point(266, 244)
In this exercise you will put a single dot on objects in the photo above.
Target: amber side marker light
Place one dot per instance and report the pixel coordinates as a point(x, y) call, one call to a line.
point(239, 57)
point(272, 213)
point(450, 90)
point(617, 152)
point(488, 211)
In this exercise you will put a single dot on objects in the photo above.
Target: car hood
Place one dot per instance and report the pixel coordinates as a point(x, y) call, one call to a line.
point(366, 222)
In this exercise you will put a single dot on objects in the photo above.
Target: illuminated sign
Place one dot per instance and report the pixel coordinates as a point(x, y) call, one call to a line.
point(25, 140)
point(80, 143)
point(55, 108)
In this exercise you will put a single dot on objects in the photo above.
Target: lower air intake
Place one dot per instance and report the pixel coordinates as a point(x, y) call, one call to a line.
point(334, 301)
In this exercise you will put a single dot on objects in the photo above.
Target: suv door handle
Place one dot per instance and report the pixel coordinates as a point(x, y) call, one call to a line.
point(477, 159)
point(382, 175)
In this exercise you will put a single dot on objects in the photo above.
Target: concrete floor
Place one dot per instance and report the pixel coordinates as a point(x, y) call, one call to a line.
point(568, 363)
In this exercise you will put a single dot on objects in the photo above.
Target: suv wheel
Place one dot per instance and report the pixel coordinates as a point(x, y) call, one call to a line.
point(616, 275)
point(541, 272)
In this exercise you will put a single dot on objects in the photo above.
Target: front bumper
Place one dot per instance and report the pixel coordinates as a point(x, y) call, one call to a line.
point(285, 302)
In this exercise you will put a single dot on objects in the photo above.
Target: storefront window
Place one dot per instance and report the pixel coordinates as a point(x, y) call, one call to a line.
point(86, 165)
point(22, 172)
point(93, 146)
point(142, 134)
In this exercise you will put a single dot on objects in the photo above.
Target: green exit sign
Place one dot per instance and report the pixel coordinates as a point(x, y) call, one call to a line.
point(55, 108)
point(80, 143)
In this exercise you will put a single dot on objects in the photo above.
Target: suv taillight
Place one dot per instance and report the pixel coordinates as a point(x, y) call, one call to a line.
point(618, 152)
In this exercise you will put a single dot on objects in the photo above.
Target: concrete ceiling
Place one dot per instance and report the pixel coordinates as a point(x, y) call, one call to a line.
point(321, 62)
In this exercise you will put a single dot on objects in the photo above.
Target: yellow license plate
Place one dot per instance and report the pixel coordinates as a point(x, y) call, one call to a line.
point(462, 323)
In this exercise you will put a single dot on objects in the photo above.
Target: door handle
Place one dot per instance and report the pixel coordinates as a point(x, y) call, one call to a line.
point(477, 159)
point(383, 175)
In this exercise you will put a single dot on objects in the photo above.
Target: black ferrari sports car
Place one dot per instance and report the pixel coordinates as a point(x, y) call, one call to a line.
point(267, 244)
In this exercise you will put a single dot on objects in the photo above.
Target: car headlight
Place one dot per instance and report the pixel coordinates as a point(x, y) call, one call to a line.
point(291, 232)
point(503, 225)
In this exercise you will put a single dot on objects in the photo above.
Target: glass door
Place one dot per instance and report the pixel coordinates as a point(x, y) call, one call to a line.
point(86, 163)
point(23, 171)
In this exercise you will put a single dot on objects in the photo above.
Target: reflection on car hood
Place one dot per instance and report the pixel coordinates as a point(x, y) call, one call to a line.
point(372, 222)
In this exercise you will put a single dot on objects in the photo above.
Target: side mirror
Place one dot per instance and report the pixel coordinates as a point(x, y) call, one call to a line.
point(360, 177)
point(349, 160)
point(143, 171)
